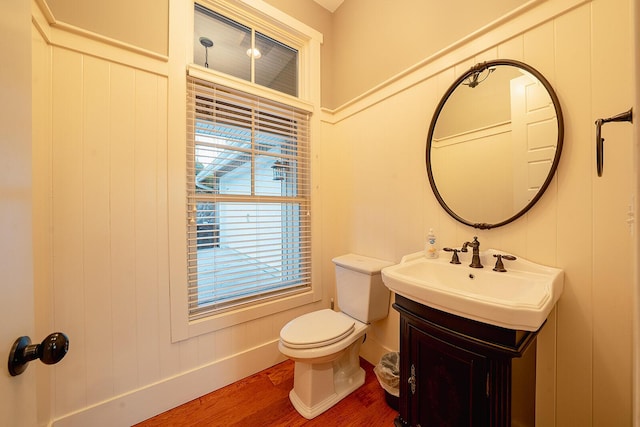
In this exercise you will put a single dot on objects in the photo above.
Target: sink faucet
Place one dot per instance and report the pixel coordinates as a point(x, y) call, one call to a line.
point(475, 245)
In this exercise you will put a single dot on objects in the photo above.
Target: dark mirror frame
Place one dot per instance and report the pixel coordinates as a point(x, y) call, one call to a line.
point(475, 70)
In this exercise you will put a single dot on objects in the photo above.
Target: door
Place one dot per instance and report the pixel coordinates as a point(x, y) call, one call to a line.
point(533, 121)
point(17, 394)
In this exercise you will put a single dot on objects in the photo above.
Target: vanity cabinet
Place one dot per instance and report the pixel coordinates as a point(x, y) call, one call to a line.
point(460, 372)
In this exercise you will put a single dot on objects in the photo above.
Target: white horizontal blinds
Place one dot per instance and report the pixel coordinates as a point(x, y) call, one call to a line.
point(248, 176)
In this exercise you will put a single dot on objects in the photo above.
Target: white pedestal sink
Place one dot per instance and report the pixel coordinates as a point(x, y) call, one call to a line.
point(520, 298)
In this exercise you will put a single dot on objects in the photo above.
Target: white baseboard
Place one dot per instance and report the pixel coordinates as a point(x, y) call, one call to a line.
point(146, 402)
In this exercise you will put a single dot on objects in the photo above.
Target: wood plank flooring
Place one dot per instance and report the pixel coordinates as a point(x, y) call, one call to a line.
point(262, 400)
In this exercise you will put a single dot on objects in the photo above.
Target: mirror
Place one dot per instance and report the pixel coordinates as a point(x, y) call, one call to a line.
point(494, 143)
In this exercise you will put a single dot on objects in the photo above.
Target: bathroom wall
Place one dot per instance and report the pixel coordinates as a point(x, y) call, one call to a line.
point(377, 40)
point(379, 202)
point(101, 245)
point(142, 23)
point(100, 211)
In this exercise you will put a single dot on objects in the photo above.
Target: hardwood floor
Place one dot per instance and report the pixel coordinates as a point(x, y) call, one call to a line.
point(262, 400)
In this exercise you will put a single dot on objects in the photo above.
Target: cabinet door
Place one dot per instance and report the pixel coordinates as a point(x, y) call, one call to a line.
point(451, 383)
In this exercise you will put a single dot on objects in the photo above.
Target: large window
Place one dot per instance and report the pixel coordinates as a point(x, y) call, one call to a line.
point(248, 199)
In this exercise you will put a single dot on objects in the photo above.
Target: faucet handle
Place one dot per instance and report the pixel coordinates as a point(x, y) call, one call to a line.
point(454, 257)
point(499, 264)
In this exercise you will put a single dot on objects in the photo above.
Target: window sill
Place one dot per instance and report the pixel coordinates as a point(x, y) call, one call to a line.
point(233, 317)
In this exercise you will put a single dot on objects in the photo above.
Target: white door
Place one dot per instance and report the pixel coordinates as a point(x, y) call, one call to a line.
point(17, 394)
point(535, 133)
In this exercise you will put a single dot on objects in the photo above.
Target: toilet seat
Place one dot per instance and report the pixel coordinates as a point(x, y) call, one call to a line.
point(317, 329)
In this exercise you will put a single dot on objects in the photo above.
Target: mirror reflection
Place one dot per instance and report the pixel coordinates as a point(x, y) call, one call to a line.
point(494, 143)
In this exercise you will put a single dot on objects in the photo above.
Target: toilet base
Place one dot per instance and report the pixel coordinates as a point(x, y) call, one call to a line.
point(341, 390)
point(319, 386)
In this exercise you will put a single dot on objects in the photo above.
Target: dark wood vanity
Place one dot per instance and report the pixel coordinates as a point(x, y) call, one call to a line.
point(460, 372)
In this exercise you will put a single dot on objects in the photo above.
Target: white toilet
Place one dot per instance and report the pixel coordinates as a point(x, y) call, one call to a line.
point(325, 344)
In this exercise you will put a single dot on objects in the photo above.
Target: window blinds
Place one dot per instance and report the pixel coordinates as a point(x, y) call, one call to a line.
point(248, 198)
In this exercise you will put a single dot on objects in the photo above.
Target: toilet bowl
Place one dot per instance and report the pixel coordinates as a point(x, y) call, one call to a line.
point(327, 364)
point(325, 344)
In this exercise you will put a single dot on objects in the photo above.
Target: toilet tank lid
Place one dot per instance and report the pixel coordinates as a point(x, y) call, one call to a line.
point(361, 263)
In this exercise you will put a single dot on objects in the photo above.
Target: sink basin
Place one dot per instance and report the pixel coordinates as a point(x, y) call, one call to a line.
point(519, 299)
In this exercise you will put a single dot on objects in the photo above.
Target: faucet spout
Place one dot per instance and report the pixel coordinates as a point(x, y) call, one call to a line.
point(475, 258)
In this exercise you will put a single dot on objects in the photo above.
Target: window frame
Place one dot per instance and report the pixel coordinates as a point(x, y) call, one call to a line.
point(276, 24)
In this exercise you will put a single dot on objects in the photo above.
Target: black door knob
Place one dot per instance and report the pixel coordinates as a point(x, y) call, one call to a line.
point(51, 350)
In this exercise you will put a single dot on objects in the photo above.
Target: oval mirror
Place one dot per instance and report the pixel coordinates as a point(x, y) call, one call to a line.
point(494, 143)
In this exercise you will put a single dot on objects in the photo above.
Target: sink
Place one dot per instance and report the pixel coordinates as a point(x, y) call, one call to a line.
point(519, 299)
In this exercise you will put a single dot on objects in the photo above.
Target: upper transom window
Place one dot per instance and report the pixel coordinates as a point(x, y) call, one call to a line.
point(230, 47)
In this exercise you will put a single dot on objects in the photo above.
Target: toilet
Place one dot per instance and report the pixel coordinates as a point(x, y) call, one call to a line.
point(325, 344)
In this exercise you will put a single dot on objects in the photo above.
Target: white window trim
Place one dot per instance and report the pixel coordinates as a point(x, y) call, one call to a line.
point(261, 15)
point(232, 82)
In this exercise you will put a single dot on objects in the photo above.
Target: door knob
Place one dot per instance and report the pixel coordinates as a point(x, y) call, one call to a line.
point(51, 350)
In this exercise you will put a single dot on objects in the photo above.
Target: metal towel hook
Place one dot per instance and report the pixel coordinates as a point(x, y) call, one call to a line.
point(627, 116)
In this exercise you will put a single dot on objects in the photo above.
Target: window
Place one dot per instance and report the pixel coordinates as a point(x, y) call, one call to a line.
point(249, 236)
point(240, 219)
point(225, 45)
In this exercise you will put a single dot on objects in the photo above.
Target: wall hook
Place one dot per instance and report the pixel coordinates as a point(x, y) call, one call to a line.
point(627, 116)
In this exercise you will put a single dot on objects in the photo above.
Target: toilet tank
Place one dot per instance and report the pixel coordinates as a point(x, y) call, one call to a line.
point(361, 292)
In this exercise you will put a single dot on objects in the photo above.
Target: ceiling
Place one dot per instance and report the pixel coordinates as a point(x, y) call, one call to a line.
point(330, 5)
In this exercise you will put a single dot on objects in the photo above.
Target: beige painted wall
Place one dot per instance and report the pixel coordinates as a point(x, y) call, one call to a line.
point(102, 244)
point(380, 203)
point(102, 267)
point(102, 178)
point(141, 23)
point(377, 39)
